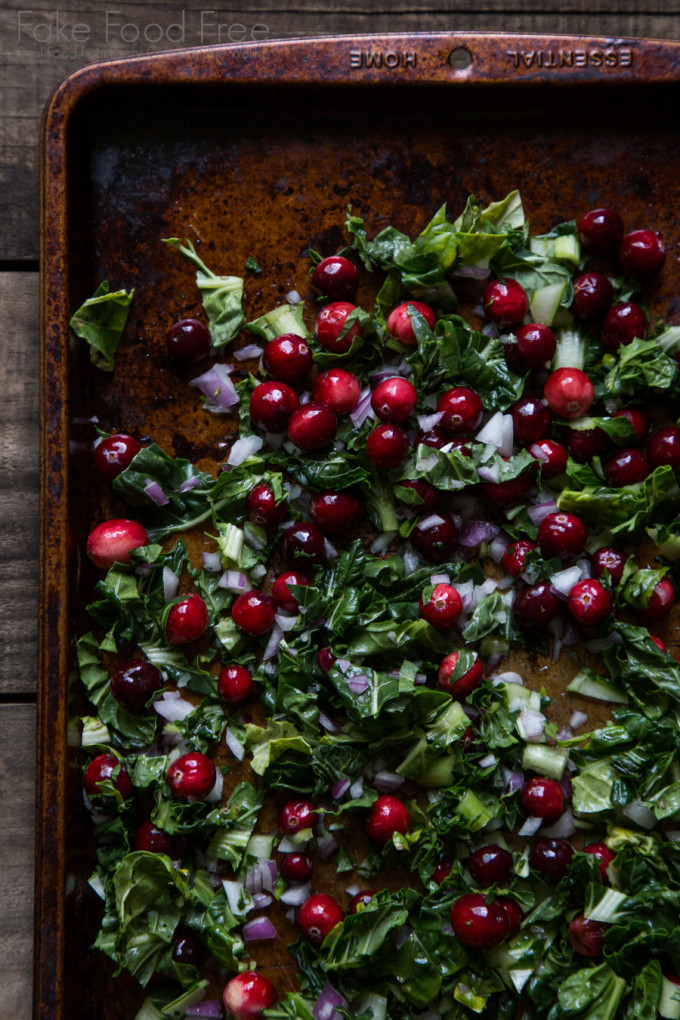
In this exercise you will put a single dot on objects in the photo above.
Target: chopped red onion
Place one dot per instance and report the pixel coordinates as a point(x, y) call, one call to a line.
point(237, 897)
point(328, 723)
point(215, 795)
point(356, 789)
point(473, 533)
point(170, 584)
point(234, 744)
point(173, 709)
point(273, 644)
point(531, 725)
point(293, 297)
point(340, 788)
point(342, 664)
point(539, 512)
point(209, 1009)
point(473, 272)
point(385, 781)
point(216, 385)
point(295, 895)
point(428, 421)
point(326, 846)
point(489, 761)
point(362, 409)
point(489, 473)
point(509, 677)
point(260, 929)
point(358, 684)
point(565, 783)
point(530, 827)
point(497, 547)
point(212, 562)
point(234, 580)
point(262, 900)
point(412, 560)
point(577, 719)
point(512, 779)
point(247, 353)
point(563, 581)
point(431, 521)
point(154, 492)
point(564, 733)
point(329, 549)
point(244, 448)
point(563, 828)
point(426, 461)
point(286, 621)
point(190, 483)
point(325, 1005)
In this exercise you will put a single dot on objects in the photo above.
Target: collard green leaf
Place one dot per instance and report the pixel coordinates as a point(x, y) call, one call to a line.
point(100, 321)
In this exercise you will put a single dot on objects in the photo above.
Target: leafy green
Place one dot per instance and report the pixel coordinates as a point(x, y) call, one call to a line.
point(222, 295)
point(100, 321)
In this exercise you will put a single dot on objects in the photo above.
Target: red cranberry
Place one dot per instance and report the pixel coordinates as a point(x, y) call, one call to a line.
point(296, 868)
point(271, 405)
point(626, 467)
point(247, 994)
point(622, 324)
point(659, 643)
point(661, 602)
point(490, 865)
point(551, 858)
point(283, 596)
point(610, 560)
point(114, 454)
point(642, 253)
point(461, 410)
point(569, 393)
point(477, 923)
point(337, 389)
point(102, 768)
point(561, 534)
point(187, 620)
point(637, 420)
point(589, 602)
point(336, 278)
point(387, 816)
point(531, 419)
point(584, 444)
point(505, 302)
point(324, 660)
point(435, 538)
point(435, 437)
point(153, 840)
point(312, 427)
point(360, 900)
point(552, 457)
point(399, 323)
point(593, 295)
point(234, 684)
point(386, 446)
point(394, 400)
point(542, 798)
point(187, 947)
point(191, 776)
point(600, 231)
point(515, 555)
point(288, 358)
point(263, 508)
point(443, 870)
point(336, 512)
point(303, 545)
point(443, 607)
point(508, 493)
point(429, 497)
point(188, 341)
point(535, 347)
point(254, 612)
point(297, 815)
point(134, 683)
point(535, 605)
point(331, 327)
point(515, 915)
point(586, 936)
point(318, 916)
point(664, 447)
point(113, 541)
point(465, 684)
point(603, 856)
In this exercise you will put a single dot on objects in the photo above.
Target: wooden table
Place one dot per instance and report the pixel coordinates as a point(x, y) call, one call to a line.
point(39, 48)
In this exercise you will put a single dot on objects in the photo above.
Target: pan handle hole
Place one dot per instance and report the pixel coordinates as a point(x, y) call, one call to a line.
point(460, 58)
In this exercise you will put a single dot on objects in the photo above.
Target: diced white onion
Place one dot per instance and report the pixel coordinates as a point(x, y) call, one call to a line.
point(577, 719)
point(215, 795)
point(155, 492)
point(531, 725)
point(170, 584)
point(295, 895)
point(244, 448)
point(218, 388)
point(530, 826)
point(248, 352)
point(234, 744)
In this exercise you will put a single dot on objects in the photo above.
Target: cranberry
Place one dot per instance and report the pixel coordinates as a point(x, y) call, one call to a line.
point(336, 278)
point(584, 444)
point(113, 541)
point(429, 497)
point(661, 602)
point(188, 341)
point(535, 605)
point(283, 596)
point(296, 815)
point(600, 230)
point(234, 684)
point(477, 923)
point(642, 253)
point(336, 512)
point(551, 858)
point(296, 868)
point(607, 559)
point(664, 447)
point(102, 768)
point(603, 856)
point(387, 816)
point(303, 545)
point(508, 493)
point(637, 420)
point(435, 437)
point(515, 915)
point(394, 400)
point(386, 446)
point(465, 684)
point(263, 508)
point(330, 324)
point(531, 419)
point(337, 389)
point(153, 840)
point(247, 994)
point(505, 302)
point(443, 607)
point(187, 620)
point(461, 410)
point(515, 555)
point(435, 538)
point(552, 457)
point(254, 612)
point(542, 798)
point(569, 392)
point(324, 660)
point(593, 295)
point(399, 323)
point(318, 916)
point(312, 426)
point(490, 865)
point(114, 454)
point(288, 358)
point(659, 643)
point(626, 467)
point(587, 936)
point(191, 776)
point(443, 870)
point(134, 683)
point(360, 900)
point(535, 347)
point(187, 947)
point(622, 324)
point(271, 405)
point(561, 534)
point(589, 602)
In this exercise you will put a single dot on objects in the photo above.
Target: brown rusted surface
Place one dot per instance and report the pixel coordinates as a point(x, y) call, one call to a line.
point(257, 151)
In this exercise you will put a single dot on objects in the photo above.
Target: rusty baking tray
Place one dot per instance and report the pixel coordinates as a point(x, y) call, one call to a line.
point(257, 150)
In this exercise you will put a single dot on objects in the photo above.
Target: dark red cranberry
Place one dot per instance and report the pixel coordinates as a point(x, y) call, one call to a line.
point(303, 545)
point(551, 858)
point(153, 840)
point(535, 605)
point(187, 947)
point(552, 457)
point(490, 865)
point(593, 295)
point(600, 231)
point(263, 508)
point(337, 389)
point(430, 498)
point(336, 512)
point(187, 620)
point(664, 447)
point(535, 347)
point(465, 684)
point(637, 420)
point(505, 302)
point(435, 437)
point(443, 607)
point(589, 602)
point(435, 537)
point(399, 323)
point(191, 776)
point(609, 560)
point(254, 612)
point(443, 870)
point(360, 900)
point(515, 555)
point(387, 816)
point(584, 444)
point(114, 454)
point(331, 327)
point(508, 493)
point(515, 915)
point(188, 341)
point(586, 936)
point(134, 683)
point(288, 358)
point(394, 400)
point(661, 602)
point(247, 994)
point(103, 768)
point(569, 393)
point(642, 253)
point(297, 815)
point(283, 596)
point(542, 798)
point(531, 419)
point(626, 467)
point(659, 643)
point(386, 446)
point(318, 916)
point(561, 534)
point(603, 856)
point(271, 405)
point(312, 427)
point(336, 278)
point(296, 868)
point(324, 660)
point(622, 324)
point(477, 923)
point(461, 410)
point(234, 684)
